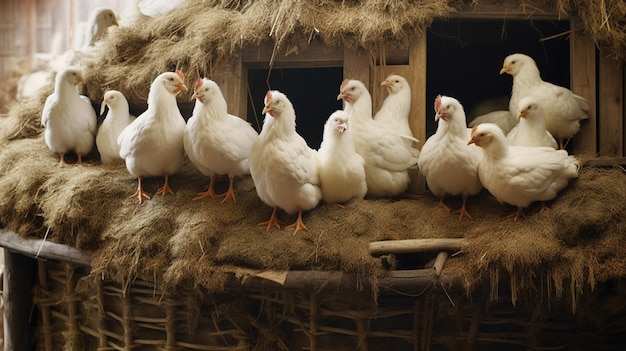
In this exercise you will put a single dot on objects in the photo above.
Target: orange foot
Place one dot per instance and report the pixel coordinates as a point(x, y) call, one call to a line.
point(272, 222)
point(443, 205)
point(230, 193)
point(298, 224)
point(517, 214)
point(210, 192)
point(140, 193)
point(463, 210)
point(165, 189)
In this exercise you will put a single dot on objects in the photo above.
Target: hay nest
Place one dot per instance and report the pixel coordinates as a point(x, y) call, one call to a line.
point(173, 240)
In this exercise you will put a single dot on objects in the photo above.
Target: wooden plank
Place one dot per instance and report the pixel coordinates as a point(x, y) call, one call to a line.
point(606, 162)
point(356, 65)
point(583, 83)
point(17, 295)
point(232, 79)
point(610, 106)
point(378, 248)
point(38, 248)
point(314, 55)
point(496, 9)
point(418, 66)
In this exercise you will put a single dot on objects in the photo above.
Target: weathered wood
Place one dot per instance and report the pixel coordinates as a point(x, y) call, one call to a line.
point(440, 262)
point(605, 162)
point(38, 248)
point(19, 279)
point(378, 248)
point(232, 79)
point(417, 120)
point(583, 83)
point(46, 320)
point(493, 9)
point(356, 65)
point(315, 55)
point(611, 106)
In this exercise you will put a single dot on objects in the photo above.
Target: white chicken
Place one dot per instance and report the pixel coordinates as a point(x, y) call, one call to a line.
point(117, 118)
point(342, 172)
point(100, 19)
point(519, 175)
point(563, 109)
point(153, 8)
point(396, 107)
point(448, 164)
point(152, 145)
point(284, 169)
point(388, 154)
point(215, 141)
point(68, 118)
point(531, 129)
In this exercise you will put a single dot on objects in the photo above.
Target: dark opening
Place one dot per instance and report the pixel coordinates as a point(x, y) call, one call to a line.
point(464, 58)
point(312, 91)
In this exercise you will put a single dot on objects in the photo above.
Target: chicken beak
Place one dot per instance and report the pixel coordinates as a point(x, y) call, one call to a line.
point(521, 114)
point(504, 69)
point(267, 109)
point(80, 80)
point(102, 107)
point(179, 88)
point(471, 141)
point(340, 96)
point(441, 116)
point(194, 96)
point(342, 128)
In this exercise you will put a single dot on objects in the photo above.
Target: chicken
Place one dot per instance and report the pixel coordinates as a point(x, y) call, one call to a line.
point(117, 118)
point(153, 8)
point(215, 141)
point(284, 169)
point(395, 109)
point(503, 118)
point(342, 172)
point(99, 22)
point(152, 145)
point(68, 118)
point(531, 129)
point(448, 164)
point(519, 175)
point(387, 153)
point(563, 110)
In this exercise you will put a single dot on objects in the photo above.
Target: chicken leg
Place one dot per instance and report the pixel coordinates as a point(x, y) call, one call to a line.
point(165, 189)
point(230, 193)
point(209, 192)
point(463, 209)
point(272, 222)
point(140, 193)
point(298, 224)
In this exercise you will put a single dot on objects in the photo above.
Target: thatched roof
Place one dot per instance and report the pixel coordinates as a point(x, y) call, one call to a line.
point(203, 34)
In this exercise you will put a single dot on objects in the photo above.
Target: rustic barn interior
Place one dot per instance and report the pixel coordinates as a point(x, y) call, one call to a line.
point(88, 269)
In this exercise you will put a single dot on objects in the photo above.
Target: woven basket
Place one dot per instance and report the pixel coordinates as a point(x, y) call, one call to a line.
point(77, 312)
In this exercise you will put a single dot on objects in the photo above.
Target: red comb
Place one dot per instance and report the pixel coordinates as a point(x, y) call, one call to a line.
point(343, 84)
point(180, 75)
point(437, 103)
point(198, 84)
point(268, 96)
point(474, 129)
point(390, 74)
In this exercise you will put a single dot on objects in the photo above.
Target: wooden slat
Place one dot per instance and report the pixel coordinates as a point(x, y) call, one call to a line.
point(496, 9)
point(232, 79)
point(583, 83)
point(418, 66)
point(378, 248)
point(356, 65)
point(314, 56)
point(17, 295)
point(43, 249)
point(610, 106)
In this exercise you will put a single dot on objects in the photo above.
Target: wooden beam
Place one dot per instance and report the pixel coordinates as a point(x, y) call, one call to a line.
point(583, 83)
point(356, 65)
point(494, 9)
point(17, 295)
point(38, 248)
point(417, 120)
point(378, 248)
point(610, 106)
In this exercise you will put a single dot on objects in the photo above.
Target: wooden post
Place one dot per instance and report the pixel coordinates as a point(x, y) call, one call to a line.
point(583, 83)
point(232, 78)
point(417, 120)
point(19, 280)
point(610, 106)
point(356, 65)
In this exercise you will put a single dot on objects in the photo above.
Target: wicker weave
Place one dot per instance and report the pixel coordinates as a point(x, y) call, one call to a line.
point(78, 312)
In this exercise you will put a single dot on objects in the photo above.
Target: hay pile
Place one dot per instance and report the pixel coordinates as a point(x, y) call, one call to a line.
point(173, 240)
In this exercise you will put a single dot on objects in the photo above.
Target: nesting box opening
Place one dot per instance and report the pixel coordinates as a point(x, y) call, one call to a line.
point(464, 57)
point(312, 91)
